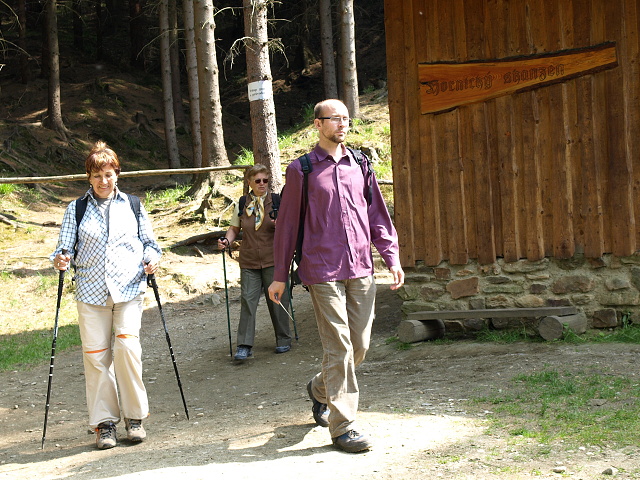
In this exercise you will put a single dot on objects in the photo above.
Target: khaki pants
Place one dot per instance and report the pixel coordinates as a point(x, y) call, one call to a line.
point(344, 313)
point(111, 370)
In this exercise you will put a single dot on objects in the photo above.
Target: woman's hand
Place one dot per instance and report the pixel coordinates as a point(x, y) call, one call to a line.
point(150, 268)
point(61, 261)
point(223, 242)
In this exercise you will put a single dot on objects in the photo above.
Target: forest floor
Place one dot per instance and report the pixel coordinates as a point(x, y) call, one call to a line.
point(253, 419)
point(422, 406)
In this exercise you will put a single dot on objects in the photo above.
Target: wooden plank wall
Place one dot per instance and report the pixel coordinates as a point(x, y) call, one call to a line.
point(550, 172)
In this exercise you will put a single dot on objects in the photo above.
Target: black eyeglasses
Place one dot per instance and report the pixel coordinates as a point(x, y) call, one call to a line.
point(337, 119)
point(261, 180)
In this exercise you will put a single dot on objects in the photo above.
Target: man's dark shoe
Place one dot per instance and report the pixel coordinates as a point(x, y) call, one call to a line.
point(319, 410)
point(243, 352)
point(352, 442)
point(283, 349)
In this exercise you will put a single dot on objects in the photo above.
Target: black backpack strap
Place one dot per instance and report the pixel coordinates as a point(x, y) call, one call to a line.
point(134, 203)
point(365, 166)
point(241, 203)
point(305, 162)
point(275, 206)
point(81, 207)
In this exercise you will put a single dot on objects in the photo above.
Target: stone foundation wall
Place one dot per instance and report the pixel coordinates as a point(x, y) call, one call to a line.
point(604, 289)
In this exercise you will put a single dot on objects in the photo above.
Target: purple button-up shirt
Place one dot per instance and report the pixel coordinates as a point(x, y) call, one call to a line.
point(338, 227)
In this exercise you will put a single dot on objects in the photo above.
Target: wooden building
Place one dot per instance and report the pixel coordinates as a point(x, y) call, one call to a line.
point(546, 172)
point(544, 169)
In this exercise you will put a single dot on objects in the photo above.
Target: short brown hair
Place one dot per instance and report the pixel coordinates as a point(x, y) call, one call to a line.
point(253, 171)
point(101, 156)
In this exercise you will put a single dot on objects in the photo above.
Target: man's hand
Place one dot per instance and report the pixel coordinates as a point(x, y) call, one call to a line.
point(276, 289)
point(398, 277)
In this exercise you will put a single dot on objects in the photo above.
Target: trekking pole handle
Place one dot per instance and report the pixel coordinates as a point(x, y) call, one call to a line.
point(227, 244)
point(63, 252)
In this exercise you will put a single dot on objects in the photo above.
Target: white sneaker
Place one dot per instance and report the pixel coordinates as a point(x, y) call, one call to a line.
point(106, 435)
point(135, 430)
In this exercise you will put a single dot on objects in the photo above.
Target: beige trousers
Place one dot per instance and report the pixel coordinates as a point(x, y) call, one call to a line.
point(344, 313)
point(112, 360)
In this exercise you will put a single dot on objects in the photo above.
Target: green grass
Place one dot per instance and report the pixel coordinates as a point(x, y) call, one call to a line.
point(245, 157)
point(34, 347)
point(165, 198)
point(7, 188)
point(575, 408)
point(627, 333)
point(506, 336)
point(398, 345)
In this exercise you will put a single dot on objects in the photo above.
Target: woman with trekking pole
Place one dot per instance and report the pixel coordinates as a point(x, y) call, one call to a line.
point(108, 236)
point(255, 214)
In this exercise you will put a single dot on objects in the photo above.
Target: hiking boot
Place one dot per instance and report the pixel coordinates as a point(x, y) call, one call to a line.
point(352, 442)
point(319, 410)
point(243, 352)
point(283, 349)
point(106, 435)
point(135, 430)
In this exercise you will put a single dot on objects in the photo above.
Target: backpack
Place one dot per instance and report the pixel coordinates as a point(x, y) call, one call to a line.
point(81, 207)
point(275, 205)
point(305, 162)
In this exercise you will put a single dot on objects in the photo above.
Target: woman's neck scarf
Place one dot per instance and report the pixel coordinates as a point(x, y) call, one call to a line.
point(256, 206)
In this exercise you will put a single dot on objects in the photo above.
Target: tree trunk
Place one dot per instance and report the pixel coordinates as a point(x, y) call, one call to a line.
point(53, 119)
point(99, 32)
point(174, 51)
point(263, 111)
point(167, 94)
point(136, 33)
point(22, 42)
point(348, 47)
point(213, 149)
point(326, 44)
point(304, 55)
point(44, 55)
point(192, 79)
point(78, 28)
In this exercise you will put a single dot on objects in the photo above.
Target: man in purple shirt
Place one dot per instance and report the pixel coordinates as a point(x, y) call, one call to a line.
point(345, 213)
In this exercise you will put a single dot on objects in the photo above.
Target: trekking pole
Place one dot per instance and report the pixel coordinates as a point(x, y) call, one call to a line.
point(151, 281)
point(292, 316)
point(53, 350)
point(226, 289)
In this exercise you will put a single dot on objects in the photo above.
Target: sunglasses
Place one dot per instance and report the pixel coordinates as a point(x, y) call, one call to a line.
point(261, 180)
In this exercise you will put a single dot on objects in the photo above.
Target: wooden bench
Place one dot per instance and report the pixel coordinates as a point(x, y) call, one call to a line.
point(426, 325)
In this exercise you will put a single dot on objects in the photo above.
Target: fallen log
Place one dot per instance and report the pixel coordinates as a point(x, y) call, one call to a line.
point(6, 220)
point(553, 327)
point(492, 313)
point(411, 331)
point(209, 237)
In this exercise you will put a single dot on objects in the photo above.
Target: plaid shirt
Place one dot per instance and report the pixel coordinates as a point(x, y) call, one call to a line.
point(108, 260)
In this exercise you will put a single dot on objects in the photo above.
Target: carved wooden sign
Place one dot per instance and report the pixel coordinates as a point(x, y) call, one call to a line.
point(444, 86)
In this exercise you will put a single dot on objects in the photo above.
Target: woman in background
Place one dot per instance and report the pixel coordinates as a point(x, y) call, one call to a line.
point(256, 262)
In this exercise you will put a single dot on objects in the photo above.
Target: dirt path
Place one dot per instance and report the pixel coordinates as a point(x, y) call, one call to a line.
point(253, 419)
